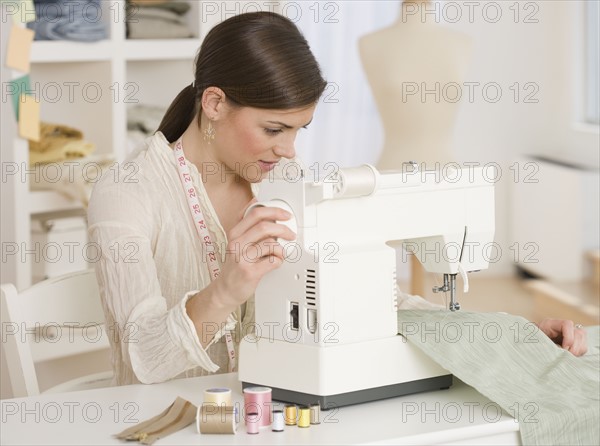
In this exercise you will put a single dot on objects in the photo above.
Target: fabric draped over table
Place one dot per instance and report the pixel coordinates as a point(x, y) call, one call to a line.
point(554, 395)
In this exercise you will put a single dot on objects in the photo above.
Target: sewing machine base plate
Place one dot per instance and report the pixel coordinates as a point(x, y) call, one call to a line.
point(360, 396)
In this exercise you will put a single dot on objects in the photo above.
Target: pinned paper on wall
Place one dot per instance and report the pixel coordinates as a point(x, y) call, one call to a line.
point(29, 118)
point(19, 47)
point(16, 88)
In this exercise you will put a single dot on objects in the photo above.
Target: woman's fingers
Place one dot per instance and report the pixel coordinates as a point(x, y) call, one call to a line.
point(255, 252)
point(265, 230)
point(567, 329)
point(566, 334)
point(551, 328)
point(574, 339)
point(255, 216)
point(579, 346)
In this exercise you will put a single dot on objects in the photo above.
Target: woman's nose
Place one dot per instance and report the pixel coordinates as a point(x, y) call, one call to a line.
point(286, 149)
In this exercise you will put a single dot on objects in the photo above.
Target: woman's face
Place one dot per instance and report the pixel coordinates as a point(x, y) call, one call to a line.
point(250, 141)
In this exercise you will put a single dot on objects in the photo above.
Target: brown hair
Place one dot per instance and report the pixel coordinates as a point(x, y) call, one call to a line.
point(259, 59)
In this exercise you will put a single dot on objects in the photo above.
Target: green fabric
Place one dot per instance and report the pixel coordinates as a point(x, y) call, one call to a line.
point(554, 395)
point(176, 7)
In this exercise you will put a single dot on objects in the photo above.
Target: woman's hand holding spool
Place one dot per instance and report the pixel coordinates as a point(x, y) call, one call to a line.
point(252, 251)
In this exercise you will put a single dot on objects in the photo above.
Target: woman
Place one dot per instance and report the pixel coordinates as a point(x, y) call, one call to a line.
point(174, 307)
point(256, 84)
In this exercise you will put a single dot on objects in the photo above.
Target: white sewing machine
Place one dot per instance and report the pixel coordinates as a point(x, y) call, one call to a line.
point(326, 321)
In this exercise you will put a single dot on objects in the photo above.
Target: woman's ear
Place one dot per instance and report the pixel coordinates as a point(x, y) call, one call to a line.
point(213, 102)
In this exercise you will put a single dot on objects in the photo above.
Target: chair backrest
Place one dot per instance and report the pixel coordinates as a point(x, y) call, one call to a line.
point(55, 318)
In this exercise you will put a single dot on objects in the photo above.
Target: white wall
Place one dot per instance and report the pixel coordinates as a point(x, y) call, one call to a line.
point(346, 129)
point(542, 47)
point(548, 53)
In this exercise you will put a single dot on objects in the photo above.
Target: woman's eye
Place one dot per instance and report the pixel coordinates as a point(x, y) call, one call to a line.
point(272, 131)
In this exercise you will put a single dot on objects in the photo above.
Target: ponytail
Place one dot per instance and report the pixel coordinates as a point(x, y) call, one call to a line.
point(179, 115)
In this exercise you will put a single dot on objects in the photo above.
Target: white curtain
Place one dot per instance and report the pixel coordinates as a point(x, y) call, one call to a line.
point(346, 128)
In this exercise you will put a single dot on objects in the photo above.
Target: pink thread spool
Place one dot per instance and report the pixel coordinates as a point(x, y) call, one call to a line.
point(252, 423)
point(258, 400)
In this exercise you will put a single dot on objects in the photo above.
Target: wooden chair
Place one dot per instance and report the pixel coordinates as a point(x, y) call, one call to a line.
point(56, 318)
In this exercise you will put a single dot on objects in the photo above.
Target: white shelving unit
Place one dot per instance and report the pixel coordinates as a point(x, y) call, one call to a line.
point(88, 86)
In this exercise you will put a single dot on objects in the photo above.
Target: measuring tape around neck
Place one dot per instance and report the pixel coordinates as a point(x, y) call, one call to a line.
point(202, 230)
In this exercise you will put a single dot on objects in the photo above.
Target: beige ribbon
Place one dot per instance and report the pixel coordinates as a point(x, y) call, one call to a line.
point(177, 416)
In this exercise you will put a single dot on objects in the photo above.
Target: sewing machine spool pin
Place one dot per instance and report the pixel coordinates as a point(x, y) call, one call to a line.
point(449, 285)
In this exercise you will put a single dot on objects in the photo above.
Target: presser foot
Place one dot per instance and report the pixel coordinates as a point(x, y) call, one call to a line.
point(449, 285)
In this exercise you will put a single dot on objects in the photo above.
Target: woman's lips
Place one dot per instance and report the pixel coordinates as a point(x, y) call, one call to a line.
point(267, 165)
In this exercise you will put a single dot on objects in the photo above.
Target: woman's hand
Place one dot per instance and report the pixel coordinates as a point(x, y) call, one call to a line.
point(564, 333)
point(252, 251)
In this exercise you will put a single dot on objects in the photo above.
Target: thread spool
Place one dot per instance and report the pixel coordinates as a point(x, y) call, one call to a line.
point(315, 414)
point(304, 417)
point(291, 223)
point(252, 423)
point(220, 396)
point(278, 421)
point(290, 414)
point(357, 181)
point(213, 419)
point(258, 399)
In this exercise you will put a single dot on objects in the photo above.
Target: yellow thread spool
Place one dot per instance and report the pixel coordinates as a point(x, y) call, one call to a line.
point(218, 396)
point(304, 418)
point(290, 414)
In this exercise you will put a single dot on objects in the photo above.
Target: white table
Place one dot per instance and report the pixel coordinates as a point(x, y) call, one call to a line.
point(459, 415)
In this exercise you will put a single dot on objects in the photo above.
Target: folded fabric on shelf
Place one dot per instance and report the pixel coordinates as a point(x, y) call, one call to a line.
point(158, 29)
point(71, 150)
point(68, 20)
point(145, 118)
point(149, 2)
point(74, 180)
point(162, 21)
point(173, 6)
point(58, 143)
point(53, 136)
point(142, 122)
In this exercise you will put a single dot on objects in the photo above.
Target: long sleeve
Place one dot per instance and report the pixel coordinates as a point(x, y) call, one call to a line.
point(147, 267)
point(157, 342)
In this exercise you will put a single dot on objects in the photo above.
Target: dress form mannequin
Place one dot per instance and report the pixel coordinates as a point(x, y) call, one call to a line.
point(416, 55)
point(416, 69)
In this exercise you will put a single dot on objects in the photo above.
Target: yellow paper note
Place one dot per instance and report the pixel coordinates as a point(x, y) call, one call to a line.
point(19, 47)
point(29, 118)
